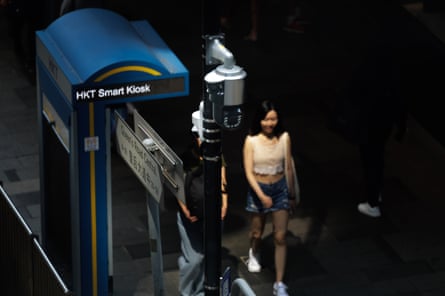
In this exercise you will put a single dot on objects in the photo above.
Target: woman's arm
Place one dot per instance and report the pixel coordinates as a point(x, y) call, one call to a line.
point(186, 212)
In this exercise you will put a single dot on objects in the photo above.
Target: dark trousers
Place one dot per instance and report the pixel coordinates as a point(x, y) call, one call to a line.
point(372, 153)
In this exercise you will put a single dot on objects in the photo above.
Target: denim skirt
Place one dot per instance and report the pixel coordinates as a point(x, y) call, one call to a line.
point(277, 191)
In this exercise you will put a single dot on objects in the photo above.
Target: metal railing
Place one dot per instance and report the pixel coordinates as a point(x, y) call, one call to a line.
point(24, 266)
point(241, 287)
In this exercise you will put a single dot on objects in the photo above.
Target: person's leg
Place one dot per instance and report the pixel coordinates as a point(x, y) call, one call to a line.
point(191, 261)
point(254, 21)
point(375, 183)
point(280, 222)
point(372, 153)
point(366, 160)
point(373, 160)
point(256, 231)
point(257, 223)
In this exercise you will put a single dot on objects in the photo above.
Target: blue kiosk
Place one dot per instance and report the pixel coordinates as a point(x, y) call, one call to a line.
point(89, 62)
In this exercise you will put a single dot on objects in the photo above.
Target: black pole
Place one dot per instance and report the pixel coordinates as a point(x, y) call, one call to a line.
point(212, 165)
point(212, 217)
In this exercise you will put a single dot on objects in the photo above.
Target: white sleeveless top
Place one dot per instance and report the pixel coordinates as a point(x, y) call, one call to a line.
point(268, 159)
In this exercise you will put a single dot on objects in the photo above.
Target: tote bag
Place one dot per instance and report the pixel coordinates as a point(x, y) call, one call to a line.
point(295, 186)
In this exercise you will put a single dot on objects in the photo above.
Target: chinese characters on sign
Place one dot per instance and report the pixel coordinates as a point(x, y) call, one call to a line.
point(138, 159)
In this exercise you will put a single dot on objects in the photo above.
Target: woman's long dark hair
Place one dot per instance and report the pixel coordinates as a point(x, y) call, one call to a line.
point(260, 114)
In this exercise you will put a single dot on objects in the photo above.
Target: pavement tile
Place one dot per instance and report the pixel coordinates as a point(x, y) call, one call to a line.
point(401, 286)
point(429, 282)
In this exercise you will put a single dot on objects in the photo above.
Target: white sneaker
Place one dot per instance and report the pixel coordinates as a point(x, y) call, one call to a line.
point(366, 209)
point(280, 289)
point(253, 264)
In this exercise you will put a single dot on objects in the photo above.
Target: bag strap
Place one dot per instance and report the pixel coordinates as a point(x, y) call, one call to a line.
point(284, 143)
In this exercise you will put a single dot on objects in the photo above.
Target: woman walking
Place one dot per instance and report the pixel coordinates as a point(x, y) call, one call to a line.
point(267, 159)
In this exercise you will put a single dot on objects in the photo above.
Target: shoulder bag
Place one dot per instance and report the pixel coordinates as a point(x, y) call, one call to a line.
point(294, 187)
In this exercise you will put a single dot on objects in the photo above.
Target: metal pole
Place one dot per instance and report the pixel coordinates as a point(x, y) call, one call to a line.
point(212, 217)
point(212, 166)
point(154, 229)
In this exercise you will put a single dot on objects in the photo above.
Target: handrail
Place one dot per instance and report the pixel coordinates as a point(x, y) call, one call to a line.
point(240, 285)
point(16, 212)
point(26, 267)
point(52, 270)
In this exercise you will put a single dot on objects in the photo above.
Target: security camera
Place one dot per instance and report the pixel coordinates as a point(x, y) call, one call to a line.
point(225, 87)
point(225, 84)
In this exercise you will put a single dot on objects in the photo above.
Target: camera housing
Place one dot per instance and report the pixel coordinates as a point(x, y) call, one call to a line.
point(225, 87)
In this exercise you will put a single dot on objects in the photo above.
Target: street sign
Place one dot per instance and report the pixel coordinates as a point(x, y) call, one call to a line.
point(170, 164)
point(138, 158)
